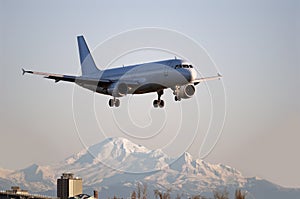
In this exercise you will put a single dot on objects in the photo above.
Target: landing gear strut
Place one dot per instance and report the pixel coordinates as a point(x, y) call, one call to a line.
point(159, 102)
point(114, 102)
point(176, 91)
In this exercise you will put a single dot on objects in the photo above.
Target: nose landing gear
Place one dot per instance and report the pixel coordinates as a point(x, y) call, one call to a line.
point(114, 102)
point(177, 98)
point(159, 102)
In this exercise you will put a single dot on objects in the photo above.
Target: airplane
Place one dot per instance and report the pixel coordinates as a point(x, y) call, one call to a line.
point(176, 74)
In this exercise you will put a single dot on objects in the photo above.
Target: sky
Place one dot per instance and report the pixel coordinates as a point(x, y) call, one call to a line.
point(254, 44)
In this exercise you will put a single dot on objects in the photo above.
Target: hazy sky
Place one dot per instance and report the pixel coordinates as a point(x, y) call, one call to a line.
point(255, 45)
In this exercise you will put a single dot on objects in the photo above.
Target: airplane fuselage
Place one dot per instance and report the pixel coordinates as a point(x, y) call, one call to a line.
point(148, 77)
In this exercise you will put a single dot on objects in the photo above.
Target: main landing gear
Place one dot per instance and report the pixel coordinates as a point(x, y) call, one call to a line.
point(159, 102)
point(177, 98)
point(114, 102)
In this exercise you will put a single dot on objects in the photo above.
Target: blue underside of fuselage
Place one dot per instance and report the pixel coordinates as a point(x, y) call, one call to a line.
point(148, 88)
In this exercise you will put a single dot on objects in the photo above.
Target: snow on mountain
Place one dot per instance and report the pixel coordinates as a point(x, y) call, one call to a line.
point(113, 156)
point(36, 178)
point(115, 166)
point(4, 172)
point(111, 149)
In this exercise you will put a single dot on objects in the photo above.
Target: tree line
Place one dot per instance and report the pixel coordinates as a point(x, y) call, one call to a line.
point(142, 193)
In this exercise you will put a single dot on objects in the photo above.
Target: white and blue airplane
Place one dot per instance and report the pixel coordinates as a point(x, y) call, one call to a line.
point(177, 74)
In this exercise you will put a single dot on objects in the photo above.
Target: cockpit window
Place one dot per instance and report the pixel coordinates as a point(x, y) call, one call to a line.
point(183, 66)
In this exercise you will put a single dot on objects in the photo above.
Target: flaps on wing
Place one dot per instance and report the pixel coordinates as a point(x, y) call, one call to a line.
point(204, 79)
point(68, 78)
point(58, 78)
point(93, 81)
point(132, 83)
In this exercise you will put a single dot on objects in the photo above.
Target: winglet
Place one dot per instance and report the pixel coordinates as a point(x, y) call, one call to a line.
point(23, 71)
point(219, 75)
point(26, 71)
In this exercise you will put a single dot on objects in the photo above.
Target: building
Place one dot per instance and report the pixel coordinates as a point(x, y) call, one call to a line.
point(17, 190)
point(82, 196)
point(17, 193)
point(68, 186)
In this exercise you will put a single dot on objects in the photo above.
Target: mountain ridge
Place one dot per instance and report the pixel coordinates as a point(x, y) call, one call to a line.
point(119, 164)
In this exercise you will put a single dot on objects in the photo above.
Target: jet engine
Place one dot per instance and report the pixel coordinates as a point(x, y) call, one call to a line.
point(184, 92)
point(118, 89)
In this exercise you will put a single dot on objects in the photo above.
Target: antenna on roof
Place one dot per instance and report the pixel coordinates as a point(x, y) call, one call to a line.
point(175, 57)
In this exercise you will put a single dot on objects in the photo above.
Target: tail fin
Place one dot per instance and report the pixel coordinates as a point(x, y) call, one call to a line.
point(88, 65)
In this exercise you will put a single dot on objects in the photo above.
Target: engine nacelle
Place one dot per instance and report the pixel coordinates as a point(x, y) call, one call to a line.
point(117, 89)
point(184, 92)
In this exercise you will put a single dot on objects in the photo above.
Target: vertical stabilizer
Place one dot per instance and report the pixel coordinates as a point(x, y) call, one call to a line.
point(88, 65)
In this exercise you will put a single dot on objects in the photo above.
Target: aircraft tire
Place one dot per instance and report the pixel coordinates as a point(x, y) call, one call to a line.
point(161, 103)
point(117, 103)
point(111, 102)
point(176, 98)
point(155, 103)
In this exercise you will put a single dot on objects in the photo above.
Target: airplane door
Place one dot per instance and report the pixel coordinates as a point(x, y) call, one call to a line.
point(166, 71)
point(167, 68)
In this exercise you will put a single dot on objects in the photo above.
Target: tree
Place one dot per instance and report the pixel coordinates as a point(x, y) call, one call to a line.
point(198, 197)
point(221, 194)
point(141, 191)
point(144, 191)
point(138, 191)
point(133, 195)
point(239, 194)
point(162, 195)
point(157, 194)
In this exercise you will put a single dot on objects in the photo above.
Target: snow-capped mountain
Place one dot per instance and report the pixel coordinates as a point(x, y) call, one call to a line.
point(115, 166)
point(119, 154)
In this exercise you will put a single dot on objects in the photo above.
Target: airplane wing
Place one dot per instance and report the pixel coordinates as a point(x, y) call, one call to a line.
point(203, 79)
point(68, 78)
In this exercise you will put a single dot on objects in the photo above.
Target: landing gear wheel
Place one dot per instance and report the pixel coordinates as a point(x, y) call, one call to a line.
point(117, 103)
point(111, 102)
point(161, 104)
point(155, 103)
point(177, 99)
point(114, 102)
point(158, 103)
